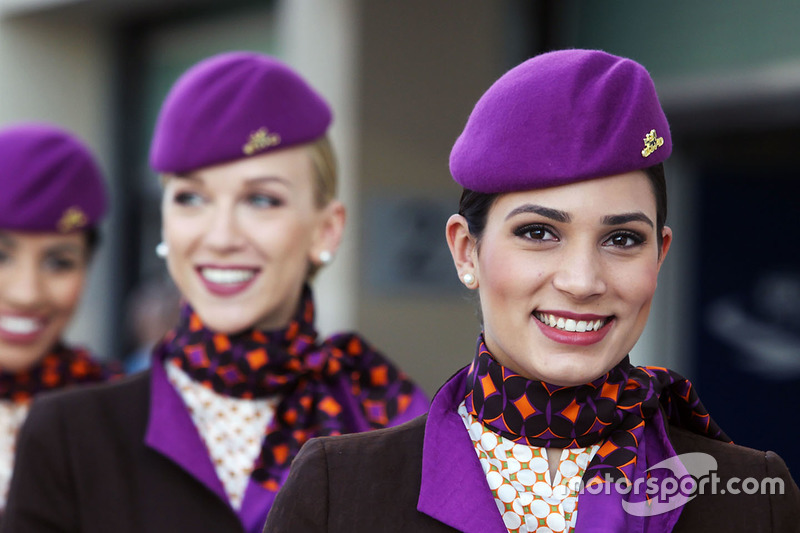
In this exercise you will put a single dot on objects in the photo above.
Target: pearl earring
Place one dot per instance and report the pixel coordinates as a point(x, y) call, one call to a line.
point(162, 249)
point(468, 279)
point(325, 257)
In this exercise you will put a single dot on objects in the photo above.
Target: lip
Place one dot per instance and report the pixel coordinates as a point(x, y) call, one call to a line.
point(226, 289)
point(574, 316)
point(19, 337)
point(576, 338)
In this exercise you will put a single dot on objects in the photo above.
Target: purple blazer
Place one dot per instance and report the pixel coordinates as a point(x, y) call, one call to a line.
point(126, 457)
point(424, 476)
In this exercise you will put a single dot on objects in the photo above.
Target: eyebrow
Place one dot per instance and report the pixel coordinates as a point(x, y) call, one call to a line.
point(564, 217)
point(266, 179)
point(64, 248)
point(554, 214)
point(6, 240)
point(624, 218)
point(251, 180)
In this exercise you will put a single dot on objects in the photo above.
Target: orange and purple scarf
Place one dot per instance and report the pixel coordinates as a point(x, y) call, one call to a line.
point(614, 409)
point(292, 364)
point(60, 368)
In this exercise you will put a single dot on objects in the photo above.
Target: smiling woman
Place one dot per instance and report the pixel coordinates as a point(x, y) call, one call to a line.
point(560, 259)
point(47, 236)
point(561, 231)
point(204, 439)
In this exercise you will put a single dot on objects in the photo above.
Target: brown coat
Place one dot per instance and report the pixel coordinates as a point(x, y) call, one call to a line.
point(370, 482)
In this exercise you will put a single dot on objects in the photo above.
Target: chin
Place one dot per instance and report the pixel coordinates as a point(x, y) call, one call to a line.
point(221, 322)
point(571, 371)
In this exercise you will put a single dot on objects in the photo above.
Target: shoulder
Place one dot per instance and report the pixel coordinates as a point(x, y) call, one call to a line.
point(356, 482)
point(123, 398)
point(371, 446)
point(748, 488)
point(731, 458)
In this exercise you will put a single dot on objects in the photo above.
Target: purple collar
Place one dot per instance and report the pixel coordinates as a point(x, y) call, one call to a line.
point(171, 432)
point(454, 490)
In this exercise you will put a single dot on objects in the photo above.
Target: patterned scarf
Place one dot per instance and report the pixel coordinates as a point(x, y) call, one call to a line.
point(613, 408)
point(60, 368)
point(292, 364)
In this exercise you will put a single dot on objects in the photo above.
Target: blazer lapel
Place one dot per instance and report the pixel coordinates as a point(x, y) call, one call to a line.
point(453, 488)
point(171, 432)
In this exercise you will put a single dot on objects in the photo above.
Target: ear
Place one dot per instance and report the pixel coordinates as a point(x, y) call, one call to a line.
point(329, 231)
point(463, 248)
point(666, 241)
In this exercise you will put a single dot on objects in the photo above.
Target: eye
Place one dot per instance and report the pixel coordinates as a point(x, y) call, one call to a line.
point(536, 232)
point(4, 256)
point(624, 239)
point(60, 263)
point(188, 198)
point(262, 200)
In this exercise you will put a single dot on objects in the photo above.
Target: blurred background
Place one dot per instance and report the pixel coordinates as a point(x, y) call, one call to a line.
point(402, 78)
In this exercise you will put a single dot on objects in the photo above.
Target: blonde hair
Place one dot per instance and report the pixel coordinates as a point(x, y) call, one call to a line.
point(325, 176)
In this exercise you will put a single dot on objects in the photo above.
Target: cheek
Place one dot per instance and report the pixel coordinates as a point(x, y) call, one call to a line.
point(67, 292)
point(176, 229)
point(638, 286)
point(288, 238)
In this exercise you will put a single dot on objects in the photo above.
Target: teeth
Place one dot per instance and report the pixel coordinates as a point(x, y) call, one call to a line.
point(568, 324)
point(227, 275)
point(19, 325)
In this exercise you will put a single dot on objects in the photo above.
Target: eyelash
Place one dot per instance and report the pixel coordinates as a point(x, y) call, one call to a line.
point(543, 229)
point(258, 200)
point(264, 200)
point(637, 239)
point(187, 198)
point(527, 229)
point(60, 264)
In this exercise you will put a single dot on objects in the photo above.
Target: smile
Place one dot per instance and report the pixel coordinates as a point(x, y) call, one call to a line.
point(570, 324)
point(227, 276)
point(19, 325)
point(17, 328)
point(227, 281)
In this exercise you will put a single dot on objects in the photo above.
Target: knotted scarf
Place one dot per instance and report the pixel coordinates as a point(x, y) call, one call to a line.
point(60, 368)
point(303, 372)
point(614, 408)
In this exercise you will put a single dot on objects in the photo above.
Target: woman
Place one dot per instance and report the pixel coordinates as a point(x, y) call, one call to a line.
point(51, 199)
point(204, 439)
point(561, 233)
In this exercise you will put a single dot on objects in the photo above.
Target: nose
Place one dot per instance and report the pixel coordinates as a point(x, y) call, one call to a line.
point(22, 285)
point(224, 231)
point(580, 273)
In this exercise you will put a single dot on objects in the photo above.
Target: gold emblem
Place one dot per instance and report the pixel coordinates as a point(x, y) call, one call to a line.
point(73, 218)
point(260, 140)
point(651, 143)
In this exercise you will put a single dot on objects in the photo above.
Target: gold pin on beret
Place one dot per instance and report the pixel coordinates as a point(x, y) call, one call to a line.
point(73, 218)
point(260, 140)
point(651, 143)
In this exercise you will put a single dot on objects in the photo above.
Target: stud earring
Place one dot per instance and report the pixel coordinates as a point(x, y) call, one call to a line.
point(468, 279)
point(162, 249)
point(325, 257)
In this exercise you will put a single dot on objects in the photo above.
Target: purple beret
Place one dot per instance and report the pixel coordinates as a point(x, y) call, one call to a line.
point(235, 105)
point(558, 118)
point(49, 181)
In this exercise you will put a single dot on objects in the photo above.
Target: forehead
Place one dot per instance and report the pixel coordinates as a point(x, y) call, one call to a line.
point(42, 240)
point(621, 193)
point(290, 168)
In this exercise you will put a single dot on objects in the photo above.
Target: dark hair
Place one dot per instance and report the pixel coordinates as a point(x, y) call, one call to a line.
point(474, 206)
point(92, 240)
